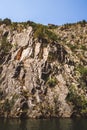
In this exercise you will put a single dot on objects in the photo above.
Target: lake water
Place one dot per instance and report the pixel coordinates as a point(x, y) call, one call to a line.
point(43, 124)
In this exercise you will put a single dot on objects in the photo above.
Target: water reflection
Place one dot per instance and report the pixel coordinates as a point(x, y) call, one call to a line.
point(22, 125)
point(43, 124)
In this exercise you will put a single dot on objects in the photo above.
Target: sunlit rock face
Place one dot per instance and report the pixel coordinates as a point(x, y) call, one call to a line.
point(40, 78)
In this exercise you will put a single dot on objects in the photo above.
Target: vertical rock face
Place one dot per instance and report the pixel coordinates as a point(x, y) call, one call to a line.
point(41, 80)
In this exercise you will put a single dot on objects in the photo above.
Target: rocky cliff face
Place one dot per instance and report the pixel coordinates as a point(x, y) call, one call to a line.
point(42, 78)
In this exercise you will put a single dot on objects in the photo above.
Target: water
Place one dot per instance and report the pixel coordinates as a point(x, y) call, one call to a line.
point(43, 124)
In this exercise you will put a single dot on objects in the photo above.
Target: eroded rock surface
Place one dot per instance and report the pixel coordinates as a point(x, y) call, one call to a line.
point(41, 80)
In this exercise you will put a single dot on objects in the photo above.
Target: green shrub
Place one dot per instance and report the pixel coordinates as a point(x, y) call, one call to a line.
point(42, 33)
point(33, 24)
point(52, 82)
point(82, 70)
point(82, 23)
point(79, 101)
point(5, 45)
point(72, 47)
point(39, 32)
point(51, 36)
point(7, 21)
point(14, 25)
point(83, 47)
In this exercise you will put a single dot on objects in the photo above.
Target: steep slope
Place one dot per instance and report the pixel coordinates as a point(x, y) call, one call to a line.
point(43, 70)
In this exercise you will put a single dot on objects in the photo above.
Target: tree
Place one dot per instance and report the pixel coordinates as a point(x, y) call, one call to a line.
point(7, 21)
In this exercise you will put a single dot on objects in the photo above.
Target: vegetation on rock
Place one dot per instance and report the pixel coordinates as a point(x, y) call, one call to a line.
point(43, 69)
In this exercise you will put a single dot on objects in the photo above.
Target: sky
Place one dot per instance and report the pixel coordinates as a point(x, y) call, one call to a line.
point(44, 11)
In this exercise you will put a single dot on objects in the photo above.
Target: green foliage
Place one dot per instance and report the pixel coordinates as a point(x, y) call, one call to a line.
point(67, 25)
point(72, 47)
point(83, 47)
point(14, 26)
point(39, 32)
point(5, 45)
point(52, 81)
point(33, 24)
point(51, 36)
point(6, 21)
point(78, 100)
point(52, 26)
point(82, 70)
point(82, 23)
point(42, 33)
point(5, 48)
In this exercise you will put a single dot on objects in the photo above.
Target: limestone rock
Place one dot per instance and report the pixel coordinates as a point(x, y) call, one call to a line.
point(41, 78)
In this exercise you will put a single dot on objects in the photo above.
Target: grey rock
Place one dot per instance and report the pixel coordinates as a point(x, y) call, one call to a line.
point(29, 68)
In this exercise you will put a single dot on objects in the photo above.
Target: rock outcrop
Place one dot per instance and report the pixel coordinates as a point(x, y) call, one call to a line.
point(40, 78)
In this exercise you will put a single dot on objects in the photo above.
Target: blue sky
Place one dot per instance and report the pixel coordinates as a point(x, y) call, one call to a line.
point(44, 11)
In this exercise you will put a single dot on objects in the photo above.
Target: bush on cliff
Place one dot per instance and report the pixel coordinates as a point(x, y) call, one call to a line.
point(42, 33)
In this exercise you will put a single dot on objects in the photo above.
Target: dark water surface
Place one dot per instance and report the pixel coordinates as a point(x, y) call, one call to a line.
point(43, 124)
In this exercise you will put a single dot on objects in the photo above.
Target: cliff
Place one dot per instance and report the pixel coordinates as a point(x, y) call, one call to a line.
point(43, 70)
